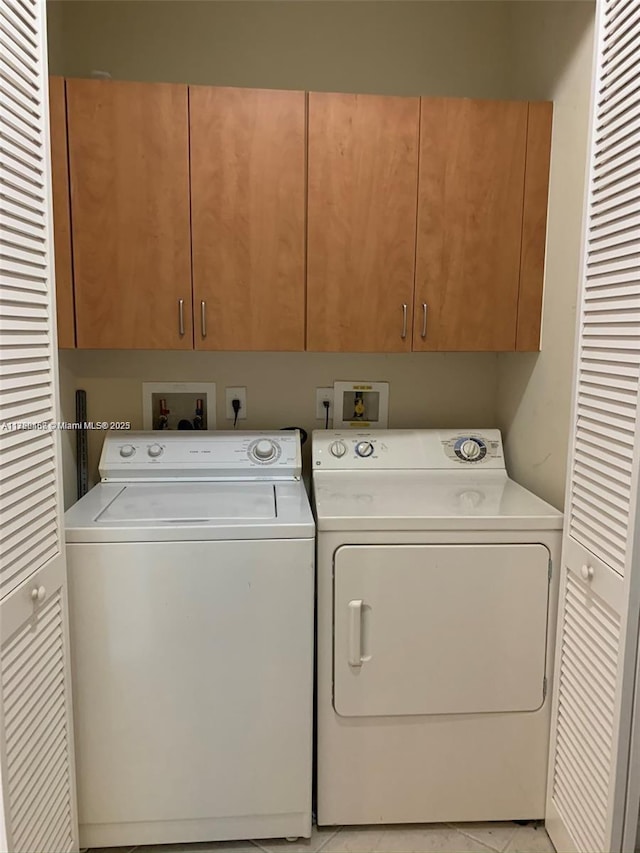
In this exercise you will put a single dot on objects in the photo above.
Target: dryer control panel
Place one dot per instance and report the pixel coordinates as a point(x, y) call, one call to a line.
point(201, 456)
point(407, 449)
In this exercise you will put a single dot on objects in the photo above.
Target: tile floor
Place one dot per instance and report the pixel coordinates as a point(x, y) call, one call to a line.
point(427, 838)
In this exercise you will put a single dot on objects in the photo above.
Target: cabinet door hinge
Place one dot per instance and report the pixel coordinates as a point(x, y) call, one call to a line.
point(544, 688)
point(550, 568)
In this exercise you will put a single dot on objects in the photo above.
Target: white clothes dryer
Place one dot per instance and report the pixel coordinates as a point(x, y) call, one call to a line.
point(191, 584)
point(437, 594)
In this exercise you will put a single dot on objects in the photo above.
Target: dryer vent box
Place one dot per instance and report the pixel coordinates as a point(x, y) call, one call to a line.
point(179, 405)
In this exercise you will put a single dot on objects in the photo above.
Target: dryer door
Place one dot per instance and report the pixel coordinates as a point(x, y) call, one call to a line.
point(439, 629)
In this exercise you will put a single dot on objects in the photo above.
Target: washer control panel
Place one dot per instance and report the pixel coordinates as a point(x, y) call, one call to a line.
point(201, 455)
point(422, 449)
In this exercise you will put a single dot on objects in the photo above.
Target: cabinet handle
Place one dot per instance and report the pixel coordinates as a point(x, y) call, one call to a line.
point(181, 317)
point(203, 318)
point(423, 333)
point(404, 321)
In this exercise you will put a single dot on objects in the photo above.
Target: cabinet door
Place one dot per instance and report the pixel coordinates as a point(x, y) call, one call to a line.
point(37, 788)
point(363, 172)
point(129, 165)
point(470, 202)
point(248, 217)
point(35, 715)
point(61, 213)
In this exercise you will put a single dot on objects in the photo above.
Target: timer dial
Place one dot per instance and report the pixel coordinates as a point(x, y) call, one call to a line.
point(264, 451)
point(469, 449)
point(364, 448)
point(338, 448)
point(155, 450)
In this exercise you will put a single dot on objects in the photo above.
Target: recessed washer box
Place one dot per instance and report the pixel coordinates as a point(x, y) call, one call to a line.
point(179, 405)
point(362, 405)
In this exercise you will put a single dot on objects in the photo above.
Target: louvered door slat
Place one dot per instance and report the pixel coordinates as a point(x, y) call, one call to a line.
point(26, 8)
point(570, 756)
point(16, 156)
point(604, 432)
point(617, 106)
point(625, 245)
point(616, 88)
point(39, 739)
point(17, 35)
point(24, 378)
point(609, 151)
point(21, 216)
point(582, 731)
point(44, 675)
point(49, 709)
point(18, 49)
point(23, 190)
point(25, 117)
point(59, 837)
point(614, 170)
point(620, 28)
point(20, 235)
point(611, 297)
point(610, 236)
point(612, 75)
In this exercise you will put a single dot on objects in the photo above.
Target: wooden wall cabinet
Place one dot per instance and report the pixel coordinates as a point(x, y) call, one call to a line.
point(129, 170)
point(61, 214)
point(425, 219)
point(482, 202)
point(363, 174)
point(480, 183)
point(248, 152)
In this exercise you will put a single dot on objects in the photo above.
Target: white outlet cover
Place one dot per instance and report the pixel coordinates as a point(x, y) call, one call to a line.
point(321, 395)
point(235, 394)
point(206, 390)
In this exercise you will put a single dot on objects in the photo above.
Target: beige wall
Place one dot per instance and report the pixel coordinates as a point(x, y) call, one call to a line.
point(404, 48)
point(553, 48)
point(425, 389)
point(438, 48)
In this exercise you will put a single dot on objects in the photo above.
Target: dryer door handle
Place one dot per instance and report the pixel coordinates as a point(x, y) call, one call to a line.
point(355, 632)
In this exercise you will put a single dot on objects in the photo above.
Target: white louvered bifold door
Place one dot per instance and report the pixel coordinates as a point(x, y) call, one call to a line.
point(36, 745)
point(597, 635)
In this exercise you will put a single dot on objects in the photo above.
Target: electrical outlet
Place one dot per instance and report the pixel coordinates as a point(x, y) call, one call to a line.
point(323, 394)
point(235, 394)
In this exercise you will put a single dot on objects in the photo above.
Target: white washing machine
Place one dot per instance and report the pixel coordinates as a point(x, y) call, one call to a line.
point(437, 591)
point(191, 583)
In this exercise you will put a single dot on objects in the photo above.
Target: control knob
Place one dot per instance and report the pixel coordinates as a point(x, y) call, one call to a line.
point(155, 450)
point(364, 448)
point(338, 448)
point(264, 450)
point(470, 449)
point(127, 450)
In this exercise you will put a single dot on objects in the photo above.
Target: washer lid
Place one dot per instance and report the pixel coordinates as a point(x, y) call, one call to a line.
point(190, 503)
point(171, 512)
